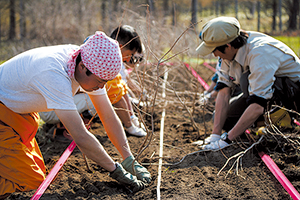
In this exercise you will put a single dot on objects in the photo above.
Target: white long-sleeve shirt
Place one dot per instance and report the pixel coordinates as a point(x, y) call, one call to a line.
point(266, 58)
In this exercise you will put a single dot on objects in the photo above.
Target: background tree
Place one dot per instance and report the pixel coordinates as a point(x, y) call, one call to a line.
point(236, 8)
point(22, 20)
point(223, 6)
point(292, 9)
point(165, 9)
point(258, 15)
point(44, 22)
point(194, 13)
point(274, 5)
point(151, 7)
point(12, 20)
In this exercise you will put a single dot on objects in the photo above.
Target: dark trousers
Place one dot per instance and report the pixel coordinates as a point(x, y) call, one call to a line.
point(287, 94)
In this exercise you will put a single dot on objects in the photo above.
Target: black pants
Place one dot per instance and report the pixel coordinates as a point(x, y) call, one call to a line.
point(237, 105)
point(287, 94)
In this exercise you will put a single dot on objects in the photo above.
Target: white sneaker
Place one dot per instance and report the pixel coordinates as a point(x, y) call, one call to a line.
point(211, 138)
point(220, 144)
point(133, 130)
point(136, 122)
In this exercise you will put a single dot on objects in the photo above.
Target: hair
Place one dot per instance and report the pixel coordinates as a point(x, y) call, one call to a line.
point(128, 37)
point(237, 43)
point(78, 59)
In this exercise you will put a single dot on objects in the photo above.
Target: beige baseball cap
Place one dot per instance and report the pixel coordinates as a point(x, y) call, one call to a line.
point(218, 32)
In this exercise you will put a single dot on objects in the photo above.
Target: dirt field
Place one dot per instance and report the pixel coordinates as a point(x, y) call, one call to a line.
point(187, 172)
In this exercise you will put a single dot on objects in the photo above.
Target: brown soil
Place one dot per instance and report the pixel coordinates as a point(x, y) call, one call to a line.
point(187, 172)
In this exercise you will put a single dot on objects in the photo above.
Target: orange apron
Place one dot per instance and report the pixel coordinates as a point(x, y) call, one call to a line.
point(22, 166)
point(116, 88)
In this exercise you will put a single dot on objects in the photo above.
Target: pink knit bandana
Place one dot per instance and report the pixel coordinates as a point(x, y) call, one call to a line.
point(100, 54)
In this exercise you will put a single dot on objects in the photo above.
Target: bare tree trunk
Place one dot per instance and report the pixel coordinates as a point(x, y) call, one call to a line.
point(236, 6)
point(258, 15)
point(194, 13)
point(222, 7)
point(280, 14)
point(252, 10)
point(200, 9)
point(103, 14)
point(12, 20)
point(217, 6)
point(0, 25)
point(165, 9)
point(116, 2)
point(294, 9)
point(151, 6)
point(81, 10)
point(174, 14)
point(212, 10)
point(22, 20)
point(274, 7)
point(53, 8)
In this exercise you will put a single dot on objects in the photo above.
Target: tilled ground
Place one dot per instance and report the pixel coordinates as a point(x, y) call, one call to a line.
point(187, 172)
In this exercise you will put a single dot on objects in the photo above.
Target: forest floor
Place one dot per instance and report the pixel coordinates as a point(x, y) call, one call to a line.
point(187, 172)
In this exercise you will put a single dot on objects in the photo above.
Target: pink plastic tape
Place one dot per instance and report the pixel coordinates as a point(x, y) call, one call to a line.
point(40, 191)
point(209, 67)
point(201, 81)
point(279, 175)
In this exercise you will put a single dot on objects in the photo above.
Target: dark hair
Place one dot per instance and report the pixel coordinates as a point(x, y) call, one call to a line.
point(237, 43)
point(78, 59)
point(126, 35)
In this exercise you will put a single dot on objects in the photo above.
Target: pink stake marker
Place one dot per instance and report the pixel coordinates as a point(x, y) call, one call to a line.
point(201, 81)
point(40, 191)
point(279, 175)
point(296, 122)
point(209, 67)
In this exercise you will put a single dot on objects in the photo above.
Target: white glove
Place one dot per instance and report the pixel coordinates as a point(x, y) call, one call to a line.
point(205, 98)
point(219, 144)
point(211, 138)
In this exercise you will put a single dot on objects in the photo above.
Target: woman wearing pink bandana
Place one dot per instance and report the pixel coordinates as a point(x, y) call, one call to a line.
point(45, 79)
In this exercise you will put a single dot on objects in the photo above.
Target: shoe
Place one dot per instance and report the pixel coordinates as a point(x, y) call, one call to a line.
point(133, 130)
point(211, 138)
point(219, 144)
point(137, 123)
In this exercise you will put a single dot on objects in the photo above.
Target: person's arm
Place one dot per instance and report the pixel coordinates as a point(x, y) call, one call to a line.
point(211, 87)
point(86, 141)
point(214, 94)
point(111, 123)
point(247, 119)
point(221, 109)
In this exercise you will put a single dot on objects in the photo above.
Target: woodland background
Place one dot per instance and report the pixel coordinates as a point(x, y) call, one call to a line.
point(25, 24)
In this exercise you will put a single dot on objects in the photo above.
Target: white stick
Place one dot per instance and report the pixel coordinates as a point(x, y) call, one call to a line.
point(161, 138)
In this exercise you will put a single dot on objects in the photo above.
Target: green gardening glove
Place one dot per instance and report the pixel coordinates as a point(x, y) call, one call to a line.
point(139, 171)
point(126, 179)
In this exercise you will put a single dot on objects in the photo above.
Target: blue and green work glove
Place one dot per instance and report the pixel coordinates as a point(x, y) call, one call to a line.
point(139, 171)
point(126, 179)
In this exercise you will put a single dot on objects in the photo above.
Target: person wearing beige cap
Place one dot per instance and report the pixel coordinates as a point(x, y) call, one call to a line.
point(45, 79)
point(267, 71)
